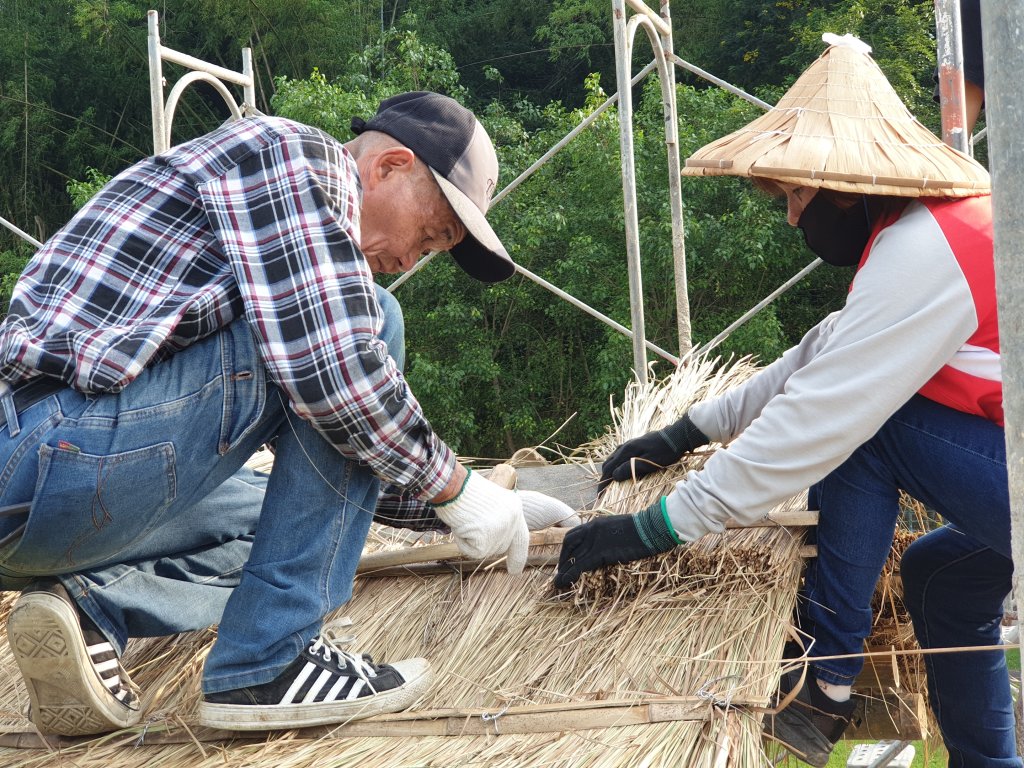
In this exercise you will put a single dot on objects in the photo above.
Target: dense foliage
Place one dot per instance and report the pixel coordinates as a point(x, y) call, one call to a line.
point(497, 367)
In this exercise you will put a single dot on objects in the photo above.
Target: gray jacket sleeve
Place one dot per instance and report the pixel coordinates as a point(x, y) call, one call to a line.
point(909, 310)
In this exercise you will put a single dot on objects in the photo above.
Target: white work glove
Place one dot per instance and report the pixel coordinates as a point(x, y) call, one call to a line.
point(543, 511)
point(487, 520)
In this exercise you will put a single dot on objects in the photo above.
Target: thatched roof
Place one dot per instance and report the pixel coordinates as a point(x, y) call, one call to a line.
point(509, 661)
point(665, 662)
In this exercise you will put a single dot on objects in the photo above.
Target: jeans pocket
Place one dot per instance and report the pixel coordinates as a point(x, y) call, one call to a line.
point(245, 385)
point(87, 510)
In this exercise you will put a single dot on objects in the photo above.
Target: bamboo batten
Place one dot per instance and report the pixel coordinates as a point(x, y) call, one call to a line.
point(841, 126)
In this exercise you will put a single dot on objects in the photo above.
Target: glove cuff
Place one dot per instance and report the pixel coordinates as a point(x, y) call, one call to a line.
point(683, 435)
point(457, 496)
point(477, 498)
point(654, 529)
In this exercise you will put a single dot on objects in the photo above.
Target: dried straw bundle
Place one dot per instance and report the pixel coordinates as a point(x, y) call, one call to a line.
point(654, 406)
point(739, 558)
point(841, 126)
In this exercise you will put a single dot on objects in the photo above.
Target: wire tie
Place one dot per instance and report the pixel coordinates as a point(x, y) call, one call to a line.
point(487, 717)
point(142, 736)
point(706, 694)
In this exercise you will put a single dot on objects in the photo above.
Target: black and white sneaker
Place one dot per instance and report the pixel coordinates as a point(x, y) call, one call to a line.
point(75, 681)
point(323, 685)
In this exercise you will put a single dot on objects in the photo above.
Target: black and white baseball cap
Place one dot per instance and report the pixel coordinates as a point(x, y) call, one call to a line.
point(450, 140)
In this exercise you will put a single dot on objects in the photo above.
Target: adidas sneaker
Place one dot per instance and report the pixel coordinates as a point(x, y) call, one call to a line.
point(323, 685)
point(75, 681)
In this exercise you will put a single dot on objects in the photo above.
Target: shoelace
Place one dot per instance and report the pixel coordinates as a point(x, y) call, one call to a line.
point(324, 648)
point(339, 632)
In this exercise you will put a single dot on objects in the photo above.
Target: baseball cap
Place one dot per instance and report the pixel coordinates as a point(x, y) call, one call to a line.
point(450, 140)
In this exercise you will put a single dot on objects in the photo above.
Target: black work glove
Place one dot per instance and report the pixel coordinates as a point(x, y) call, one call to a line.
point(614, 539)
point(653, 451)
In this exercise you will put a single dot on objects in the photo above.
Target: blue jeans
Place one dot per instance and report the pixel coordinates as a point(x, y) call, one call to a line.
point(955, 578)
point(141, 506)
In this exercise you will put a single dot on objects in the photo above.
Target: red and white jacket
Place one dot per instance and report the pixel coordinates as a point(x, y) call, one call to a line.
point(971, 381)
point(920, 318)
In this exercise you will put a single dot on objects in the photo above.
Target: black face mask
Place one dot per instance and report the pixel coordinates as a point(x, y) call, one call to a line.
point(836, 235)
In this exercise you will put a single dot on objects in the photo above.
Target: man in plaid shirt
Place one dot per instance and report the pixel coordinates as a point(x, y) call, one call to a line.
point(206, 301)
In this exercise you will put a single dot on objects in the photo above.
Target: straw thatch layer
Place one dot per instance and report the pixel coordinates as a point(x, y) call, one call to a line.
point(503, 645)
point(670, 670)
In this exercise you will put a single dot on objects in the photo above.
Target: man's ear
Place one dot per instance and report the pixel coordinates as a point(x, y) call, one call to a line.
point(393, 160)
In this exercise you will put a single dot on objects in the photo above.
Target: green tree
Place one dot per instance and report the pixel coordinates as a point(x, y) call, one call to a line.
point(396, 62)
point(53, 123)
point(541, 49)
point(12, 262)
point(495, 367)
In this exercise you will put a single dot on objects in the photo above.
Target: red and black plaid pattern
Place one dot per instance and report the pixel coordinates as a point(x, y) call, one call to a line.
point(259, 219)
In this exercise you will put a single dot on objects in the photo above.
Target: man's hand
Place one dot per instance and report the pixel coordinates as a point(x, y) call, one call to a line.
point(614, 539)
point(546, 511)
point(653, 451)
point(487, 520)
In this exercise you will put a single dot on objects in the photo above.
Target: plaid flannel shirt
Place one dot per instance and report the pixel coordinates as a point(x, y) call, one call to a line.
point(259, 219)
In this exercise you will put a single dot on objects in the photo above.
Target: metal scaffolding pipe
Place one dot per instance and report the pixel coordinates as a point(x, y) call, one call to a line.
point(594, 313)
point(663, 25)
point(191, 62)
point(249, 84)
point(623, 57)
point(20, 232)
point(705, 348)
point(667, 74)
point(156, 83)
point(1003, 41)
point(163, 114)
point(950, 51)
point(718, 81)
point(568, 297)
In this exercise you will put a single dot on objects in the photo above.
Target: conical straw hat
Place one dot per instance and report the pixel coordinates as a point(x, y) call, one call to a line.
point(843, 127)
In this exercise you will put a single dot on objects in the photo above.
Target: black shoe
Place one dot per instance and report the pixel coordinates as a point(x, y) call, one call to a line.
point(793, 649)
point(75, 682)
point(812, 723)
point(323, 685)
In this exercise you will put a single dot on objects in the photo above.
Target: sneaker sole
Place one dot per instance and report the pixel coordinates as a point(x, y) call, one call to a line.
point(267, 717)
point(790, 728)
point(67, 696)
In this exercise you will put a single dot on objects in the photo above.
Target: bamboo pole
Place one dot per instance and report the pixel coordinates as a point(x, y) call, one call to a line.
point(442, 552)
point(449, 551)
point(543, 718)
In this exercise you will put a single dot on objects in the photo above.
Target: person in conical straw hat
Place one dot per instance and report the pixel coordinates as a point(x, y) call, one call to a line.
point(900, 389)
